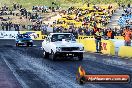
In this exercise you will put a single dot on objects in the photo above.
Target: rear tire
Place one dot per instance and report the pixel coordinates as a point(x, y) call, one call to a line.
point(80, 56)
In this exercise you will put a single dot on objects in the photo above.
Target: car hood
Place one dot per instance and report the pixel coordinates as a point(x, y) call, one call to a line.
point(67, 44)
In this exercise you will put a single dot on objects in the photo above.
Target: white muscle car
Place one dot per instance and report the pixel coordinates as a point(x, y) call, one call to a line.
point(62, 45)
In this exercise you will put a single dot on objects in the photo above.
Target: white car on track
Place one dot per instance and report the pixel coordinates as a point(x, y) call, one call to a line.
point(62, 45)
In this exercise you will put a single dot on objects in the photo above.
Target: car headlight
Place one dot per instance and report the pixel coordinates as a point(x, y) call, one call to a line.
point(58, 49)
point(19, 41)
point(31, 40)
point(81, 48)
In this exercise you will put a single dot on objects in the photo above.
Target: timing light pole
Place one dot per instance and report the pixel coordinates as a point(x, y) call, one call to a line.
point(83, 2)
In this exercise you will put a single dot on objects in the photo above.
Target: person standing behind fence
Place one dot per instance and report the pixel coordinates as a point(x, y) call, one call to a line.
point(98, 35)
point(94, 30)
point(127, 34)
point(109, 34)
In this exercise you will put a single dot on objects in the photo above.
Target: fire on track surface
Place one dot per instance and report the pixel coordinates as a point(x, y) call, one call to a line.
point(33, 71)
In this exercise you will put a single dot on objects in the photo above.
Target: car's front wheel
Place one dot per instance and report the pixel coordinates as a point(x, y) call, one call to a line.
point(27, 44)
point(31, 44)
point(17, 44)
point(45, 54)
point(80, 56)
point(53, 56)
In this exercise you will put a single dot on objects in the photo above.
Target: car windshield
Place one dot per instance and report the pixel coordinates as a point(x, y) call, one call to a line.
point(23, 36)
point(59, 37)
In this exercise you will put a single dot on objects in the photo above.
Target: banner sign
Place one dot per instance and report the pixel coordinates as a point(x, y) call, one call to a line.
point(35, 35)
point(8, 34)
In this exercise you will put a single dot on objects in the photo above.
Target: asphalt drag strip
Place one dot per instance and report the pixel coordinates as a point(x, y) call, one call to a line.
point(34, 71)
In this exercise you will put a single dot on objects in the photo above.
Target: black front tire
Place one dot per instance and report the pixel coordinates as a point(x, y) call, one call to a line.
point(31, 45)
point(80, 56)
point(45, 54)
point(17, 44)
point(53, 56)
point(27, 45)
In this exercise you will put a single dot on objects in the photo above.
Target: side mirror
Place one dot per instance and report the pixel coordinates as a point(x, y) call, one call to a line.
point(45, 37)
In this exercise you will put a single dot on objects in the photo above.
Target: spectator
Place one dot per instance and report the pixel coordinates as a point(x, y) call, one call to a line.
point(2, 26)
point(113, 34)
point(127, 37)
point(109, 34)
point(6, 26)
point(98, 35)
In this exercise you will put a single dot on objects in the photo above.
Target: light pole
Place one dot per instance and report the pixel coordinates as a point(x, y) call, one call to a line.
point(83, 2)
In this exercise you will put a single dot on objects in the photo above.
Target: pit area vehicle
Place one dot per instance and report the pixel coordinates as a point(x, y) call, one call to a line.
point(23, 39)
point(62, 45)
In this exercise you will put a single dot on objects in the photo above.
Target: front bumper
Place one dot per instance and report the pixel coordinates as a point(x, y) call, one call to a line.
point(69, 54)
point(25, 43)
point(70, 51)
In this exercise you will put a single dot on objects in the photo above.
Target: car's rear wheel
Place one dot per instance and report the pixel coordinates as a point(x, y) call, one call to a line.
point(80, 56)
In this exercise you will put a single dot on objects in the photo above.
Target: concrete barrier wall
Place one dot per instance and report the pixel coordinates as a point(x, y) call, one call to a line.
point(119, 37)
point(112, 47)
point(92, 37)
point(125, 51)
point(107, 46)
